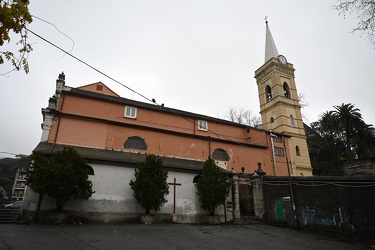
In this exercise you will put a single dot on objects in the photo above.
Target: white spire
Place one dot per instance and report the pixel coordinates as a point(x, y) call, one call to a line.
point(271, 50)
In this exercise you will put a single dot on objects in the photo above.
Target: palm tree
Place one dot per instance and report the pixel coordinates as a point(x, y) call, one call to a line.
point(340, 134)
point(328, 129)
point(348, 120)
point(365, 141)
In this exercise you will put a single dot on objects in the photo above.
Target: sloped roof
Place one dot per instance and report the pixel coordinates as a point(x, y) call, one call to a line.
point(118, 157)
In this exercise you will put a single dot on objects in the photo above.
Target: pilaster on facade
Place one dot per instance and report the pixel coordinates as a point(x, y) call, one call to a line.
point(52, 109)
point(60, 83)
point(299, 155)
point(47, 123)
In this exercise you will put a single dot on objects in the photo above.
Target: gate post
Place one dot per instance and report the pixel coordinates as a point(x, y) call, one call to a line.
point(236, 198)
point(258, 196)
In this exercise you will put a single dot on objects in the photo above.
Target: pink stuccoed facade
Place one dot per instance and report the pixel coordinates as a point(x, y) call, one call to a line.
point(94, 118)
point(115, 133)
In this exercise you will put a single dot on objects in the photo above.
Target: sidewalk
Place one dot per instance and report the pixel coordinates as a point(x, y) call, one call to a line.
point(162, 236)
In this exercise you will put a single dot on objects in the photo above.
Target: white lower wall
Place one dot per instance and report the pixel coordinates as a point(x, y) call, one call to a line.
point(113, 199)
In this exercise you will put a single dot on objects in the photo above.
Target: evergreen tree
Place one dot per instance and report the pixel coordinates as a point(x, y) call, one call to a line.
point(213, 186)
point(340, 134)
point(150, 184)
point(62, 176)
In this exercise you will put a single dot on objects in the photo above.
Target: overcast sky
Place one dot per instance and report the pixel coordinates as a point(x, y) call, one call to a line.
point(197, 56)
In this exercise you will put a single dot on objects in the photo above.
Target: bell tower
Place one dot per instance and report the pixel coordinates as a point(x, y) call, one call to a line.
point(279, 105)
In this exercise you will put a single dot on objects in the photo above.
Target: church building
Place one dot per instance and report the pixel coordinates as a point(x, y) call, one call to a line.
point(114, 134)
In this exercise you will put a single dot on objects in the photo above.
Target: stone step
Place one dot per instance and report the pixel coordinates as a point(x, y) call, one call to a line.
point(10, 215)
point(248, 220)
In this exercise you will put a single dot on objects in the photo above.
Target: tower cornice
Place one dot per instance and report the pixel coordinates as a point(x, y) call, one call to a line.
point(280, 101)
point(273, 66)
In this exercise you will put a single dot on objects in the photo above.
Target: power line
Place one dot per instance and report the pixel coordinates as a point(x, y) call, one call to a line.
point(92, 67)
point(318, 183)
point(143, 96)
point(41, 19)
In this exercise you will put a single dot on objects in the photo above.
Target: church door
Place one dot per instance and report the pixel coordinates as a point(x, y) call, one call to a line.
point(246, 199)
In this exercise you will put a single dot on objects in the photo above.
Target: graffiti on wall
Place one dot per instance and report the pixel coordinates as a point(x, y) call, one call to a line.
point(353, 221)
point(342, 220)
point(314, 215)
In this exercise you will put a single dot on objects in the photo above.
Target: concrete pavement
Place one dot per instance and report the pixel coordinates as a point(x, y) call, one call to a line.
point(162, 236)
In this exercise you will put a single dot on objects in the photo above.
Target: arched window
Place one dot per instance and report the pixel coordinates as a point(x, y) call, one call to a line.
point(90, 170)
point(291, 120)
point(286, 90)
point(135, 142)
point(272, 120)
point(268, 93)
point(298, 152)
point(220, 154)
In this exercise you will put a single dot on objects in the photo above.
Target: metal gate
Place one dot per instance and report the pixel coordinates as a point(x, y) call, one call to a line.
point(280, 214)
point(246, 199)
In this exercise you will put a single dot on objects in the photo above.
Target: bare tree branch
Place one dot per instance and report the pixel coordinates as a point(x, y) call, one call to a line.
point(365, 11)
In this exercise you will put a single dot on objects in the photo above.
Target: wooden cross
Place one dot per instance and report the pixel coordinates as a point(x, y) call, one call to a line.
point(174, 193)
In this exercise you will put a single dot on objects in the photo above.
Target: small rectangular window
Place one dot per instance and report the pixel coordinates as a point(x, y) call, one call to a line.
point(278, 151)
point(130, 112)
point(202, 125)
point(277, 139)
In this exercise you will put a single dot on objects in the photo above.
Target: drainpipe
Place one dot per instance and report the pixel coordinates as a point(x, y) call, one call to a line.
point(209, 146)
point(38, 208)
point(225, 209)
point(273, 151)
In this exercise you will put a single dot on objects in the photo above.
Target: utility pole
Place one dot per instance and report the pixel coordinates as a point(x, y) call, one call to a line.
point(296, 224)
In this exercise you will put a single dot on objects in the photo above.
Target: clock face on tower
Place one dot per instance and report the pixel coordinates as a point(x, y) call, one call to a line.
point(282, 59)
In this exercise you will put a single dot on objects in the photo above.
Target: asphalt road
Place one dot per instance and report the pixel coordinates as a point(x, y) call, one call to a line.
point(162, 236)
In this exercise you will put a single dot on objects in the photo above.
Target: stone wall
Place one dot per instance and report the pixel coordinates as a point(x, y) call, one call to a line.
point(360, 167)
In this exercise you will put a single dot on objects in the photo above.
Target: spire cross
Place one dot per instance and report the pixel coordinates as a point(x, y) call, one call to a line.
point(265, 18)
